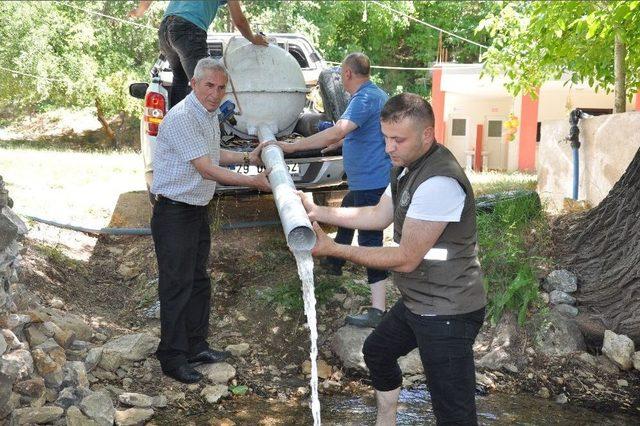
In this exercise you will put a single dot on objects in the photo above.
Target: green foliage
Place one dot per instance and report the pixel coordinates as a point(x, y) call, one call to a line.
point(508, 265)
point(541, 40)
point(288, 293)
point(80, 58)
point(239, 390)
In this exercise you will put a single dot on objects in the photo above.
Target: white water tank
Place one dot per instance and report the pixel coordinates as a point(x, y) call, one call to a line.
point(266, 85)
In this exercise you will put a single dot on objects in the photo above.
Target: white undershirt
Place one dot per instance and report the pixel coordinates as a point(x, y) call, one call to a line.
point(437, 199)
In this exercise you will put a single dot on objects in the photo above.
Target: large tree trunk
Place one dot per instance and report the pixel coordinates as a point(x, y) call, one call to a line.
point(619, 69)
point(602, 247)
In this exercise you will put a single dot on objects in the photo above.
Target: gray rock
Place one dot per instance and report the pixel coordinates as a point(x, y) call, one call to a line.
point(35, 334)
point(71, 396)
point(5, 395)
point(92, 359)
point(347, 345)
point(622, 383)
point(66, 321)
point(562, 399)
point(559, 336)
point(11, 226)
point(494, 359)
point(3, 345)
point(49, 359)
point(237, 350)
point(27, 416)
point(636, 360)
point(153, 311)
point(588, 359)
point(619, 349)
point(17, 364)
point(605, 365)
point(131, 347)
point(566, 310)
point(141, 400)
point(556, 297)
point(220, 372)
point(33, 388)
point(75, 374)
point(212, 394)
point(99, 407)
point(76, 418)
point(411, 363)
point(133, 416)
point(12, 340)
point(16, 323)
point(562, 280)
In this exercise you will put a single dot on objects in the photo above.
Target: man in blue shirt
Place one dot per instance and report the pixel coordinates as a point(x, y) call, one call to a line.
point(183, 36)
point(366, 164)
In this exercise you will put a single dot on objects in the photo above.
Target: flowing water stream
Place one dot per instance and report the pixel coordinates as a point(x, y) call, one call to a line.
point(305, 271)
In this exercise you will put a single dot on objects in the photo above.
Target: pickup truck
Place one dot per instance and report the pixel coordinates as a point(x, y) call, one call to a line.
point(310, 170)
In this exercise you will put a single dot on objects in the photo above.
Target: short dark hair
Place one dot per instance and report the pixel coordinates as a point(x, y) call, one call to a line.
point(407, 105)
point(358, 63)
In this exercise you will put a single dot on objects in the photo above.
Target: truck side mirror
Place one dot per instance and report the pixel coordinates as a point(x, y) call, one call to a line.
point(138, 90)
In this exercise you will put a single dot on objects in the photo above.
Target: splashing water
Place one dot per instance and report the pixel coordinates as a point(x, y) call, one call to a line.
point(305, 272)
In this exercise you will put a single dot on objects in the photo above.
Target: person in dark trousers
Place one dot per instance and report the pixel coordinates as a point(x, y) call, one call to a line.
point(182, 36)
point(367, 167)
point(188, 164)
point(435, 265)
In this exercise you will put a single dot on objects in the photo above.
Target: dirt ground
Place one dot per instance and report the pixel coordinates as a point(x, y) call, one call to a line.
point(111, 280)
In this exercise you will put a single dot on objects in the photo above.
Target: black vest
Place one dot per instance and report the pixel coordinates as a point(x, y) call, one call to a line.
point(449, 280)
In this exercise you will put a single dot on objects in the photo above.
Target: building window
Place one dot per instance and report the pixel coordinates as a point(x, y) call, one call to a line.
point(494, 129)
point(459, 127)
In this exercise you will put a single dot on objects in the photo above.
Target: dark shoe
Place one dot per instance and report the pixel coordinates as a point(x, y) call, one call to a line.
point(330, 268)
point(371, 317)
point(185, 374)
point(209, 356)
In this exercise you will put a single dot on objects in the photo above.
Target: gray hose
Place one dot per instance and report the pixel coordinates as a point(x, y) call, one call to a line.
point(144, 231)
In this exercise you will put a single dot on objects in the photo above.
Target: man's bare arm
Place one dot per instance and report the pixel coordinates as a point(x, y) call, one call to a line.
point(222, 175)
point(143, 5)
point(418, 237)
point(242, 24)
point(321, 139)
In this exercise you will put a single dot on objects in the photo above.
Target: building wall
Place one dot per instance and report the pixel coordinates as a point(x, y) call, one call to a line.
point(608, 144)
point(555, 104)
point(476, 111)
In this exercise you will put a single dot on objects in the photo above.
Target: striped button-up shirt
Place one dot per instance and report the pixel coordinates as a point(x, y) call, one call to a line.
point(188, 132)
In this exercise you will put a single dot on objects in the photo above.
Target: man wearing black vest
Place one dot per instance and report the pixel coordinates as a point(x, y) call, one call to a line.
point(435, 265)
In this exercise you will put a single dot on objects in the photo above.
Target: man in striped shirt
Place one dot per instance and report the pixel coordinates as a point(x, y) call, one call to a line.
point(188, 162)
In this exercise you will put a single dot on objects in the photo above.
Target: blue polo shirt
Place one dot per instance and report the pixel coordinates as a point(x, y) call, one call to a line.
point(365, 162)
point(201, 13)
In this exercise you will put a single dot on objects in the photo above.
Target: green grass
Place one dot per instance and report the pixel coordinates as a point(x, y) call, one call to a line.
point(288, 293)
point(507, 237)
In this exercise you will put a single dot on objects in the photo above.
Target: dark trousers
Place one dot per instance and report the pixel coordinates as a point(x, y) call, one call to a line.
point(364, 198)
point(182, 241)
point(445, 343)
point(183, 44)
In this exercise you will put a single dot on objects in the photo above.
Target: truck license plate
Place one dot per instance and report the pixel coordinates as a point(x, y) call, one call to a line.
point(294, 170)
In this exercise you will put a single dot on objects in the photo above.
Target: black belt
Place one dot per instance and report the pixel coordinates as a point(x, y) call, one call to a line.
point(165, 200)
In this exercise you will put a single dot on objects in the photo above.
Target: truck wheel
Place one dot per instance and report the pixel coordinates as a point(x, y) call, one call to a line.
point(307, 124)
point(334, 97)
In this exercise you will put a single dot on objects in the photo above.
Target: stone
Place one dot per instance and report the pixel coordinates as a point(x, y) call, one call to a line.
point(494, 359)
point(99, 407)
point(6, 405)
point(411, 363)
point(35, 334)
point(3, 345)
point(56, 303)
point(347, 345)
point(544, 393)
point(92, 359)
point(49, 359)
point(587, 359)
point(131, 347)
point(76, 418)
point(64, 320)
point(557, 297)
point(560, 336)
point(485, 380)
point(142, 401)
point(153, 311)
point(33, 388)
point(12, 340)
point(133, 416)
point(212, 394)
point(17, 364)
point(75, 374)
point(238, 350)
point(562, 280)
point(566, 310)
point(71, 396)
point(636, 360)
point(619, 349)
point(605, 365)
point(15, 322)
point(622, 383)
point(324, 369)
point(562, 399)
point(220, 372)
point(126, 271)
point(28, 416)
point(11, 226)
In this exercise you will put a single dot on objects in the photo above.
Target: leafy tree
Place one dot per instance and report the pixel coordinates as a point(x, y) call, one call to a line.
point(541, 40)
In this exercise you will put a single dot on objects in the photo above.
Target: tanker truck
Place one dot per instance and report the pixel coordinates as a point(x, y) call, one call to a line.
point(285, 90)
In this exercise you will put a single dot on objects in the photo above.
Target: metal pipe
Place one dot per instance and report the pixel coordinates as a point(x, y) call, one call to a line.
point(295, 222)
